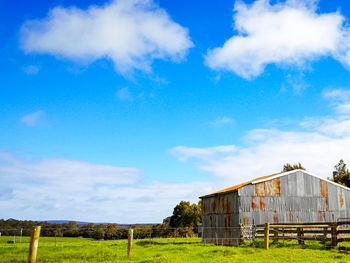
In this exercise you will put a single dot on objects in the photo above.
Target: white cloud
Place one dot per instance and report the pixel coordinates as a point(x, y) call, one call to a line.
point(65, 172)
point(268, 150)
point(286, 33)
point(221, 121)
point(344, 108)
point(130, 33)
point(124, 94)
point(341, 99)
point(44, 189)
point(32, 119)
point(337, 94)
point(318, 144)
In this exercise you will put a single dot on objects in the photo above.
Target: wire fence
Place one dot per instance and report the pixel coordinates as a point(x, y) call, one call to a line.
point(53, 234)
point(307, 236)
point(217, 235)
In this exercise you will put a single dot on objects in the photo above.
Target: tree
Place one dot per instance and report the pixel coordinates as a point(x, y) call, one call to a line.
point(71, 230)
point(166, 220)
point(111, 231)
point(87, 230)
point(186, 215)
point(142, 232)
point(288, 167)
point(99, 232)
point(341, 174)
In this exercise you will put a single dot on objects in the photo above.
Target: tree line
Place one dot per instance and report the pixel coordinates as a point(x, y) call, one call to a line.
point(182, 223)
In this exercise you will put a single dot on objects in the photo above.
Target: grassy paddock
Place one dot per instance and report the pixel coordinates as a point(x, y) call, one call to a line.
point(166, 250)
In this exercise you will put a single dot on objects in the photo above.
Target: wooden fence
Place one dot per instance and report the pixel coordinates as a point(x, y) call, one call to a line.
point(334, 232)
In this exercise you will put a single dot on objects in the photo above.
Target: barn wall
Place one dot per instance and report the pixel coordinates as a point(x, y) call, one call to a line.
point(291, 198)
point(220, 216)
point(296, 197)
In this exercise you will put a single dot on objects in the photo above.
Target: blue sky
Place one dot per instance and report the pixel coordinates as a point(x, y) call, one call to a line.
point(137, 105)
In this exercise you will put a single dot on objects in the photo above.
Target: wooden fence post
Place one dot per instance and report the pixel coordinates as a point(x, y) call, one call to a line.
point(275, 236)
point(34, 242)
point(130, 238)
point(300, 234)
point(334, 237)
point(266, 235)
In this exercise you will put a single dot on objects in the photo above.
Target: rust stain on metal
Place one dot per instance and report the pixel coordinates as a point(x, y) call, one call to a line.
point(259, 189)
point(291, 217)
point(228, 230)
point(219, 204)
point(254, 205)
point(262, 204)
point(323, 188)
point(246, 220)
point(324, 191)
point(275, 216)
point(277, 186)
point(321, 215)
point(213, 205)
point(341, 198)
point(243, 184)
point(227, 220)
point(228, 206)
point(268, 188)
point(222, 203)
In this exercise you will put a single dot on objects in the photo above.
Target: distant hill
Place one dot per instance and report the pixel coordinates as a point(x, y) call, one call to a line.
point(67, 221)
point(85, 223)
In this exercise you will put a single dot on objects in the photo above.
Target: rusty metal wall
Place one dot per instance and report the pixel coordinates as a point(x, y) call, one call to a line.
point(296, 197)
point(220, 210)
point(292, 198)
point(220, 218)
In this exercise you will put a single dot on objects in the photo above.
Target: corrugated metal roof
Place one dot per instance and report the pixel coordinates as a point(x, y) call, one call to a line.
point(236, 187)
point(266, 178)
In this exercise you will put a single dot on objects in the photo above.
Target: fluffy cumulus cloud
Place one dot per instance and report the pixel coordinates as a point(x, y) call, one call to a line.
point(286, 33)
point(45, 189)
point(318, 144)
point(130, 33)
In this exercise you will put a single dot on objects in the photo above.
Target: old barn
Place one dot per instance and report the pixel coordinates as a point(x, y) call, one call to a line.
point(290, 197)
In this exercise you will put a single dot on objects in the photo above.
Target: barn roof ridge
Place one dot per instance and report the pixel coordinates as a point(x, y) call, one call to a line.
point(268, 178)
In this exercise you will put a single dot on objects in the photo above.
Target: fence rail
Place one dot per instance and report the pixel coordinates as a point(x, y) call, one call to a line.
point(330, 231)
point(334, 232)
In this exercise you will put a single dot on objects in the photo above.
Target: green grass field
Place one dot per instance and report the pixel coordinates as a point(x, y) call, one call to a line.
point(166, 250)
